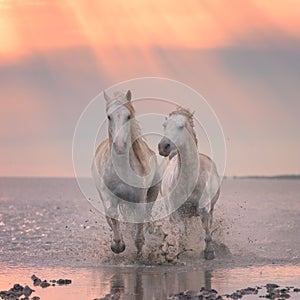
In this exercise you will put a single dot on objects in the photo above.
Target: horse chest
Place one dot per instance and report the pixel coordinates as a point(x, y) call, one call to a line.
point(169, 177)
point(121, 189)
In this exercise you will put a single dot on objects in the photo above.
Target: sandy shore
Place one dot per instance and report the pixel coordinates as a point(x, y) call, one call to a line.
point(48, 228)
point(46, 221)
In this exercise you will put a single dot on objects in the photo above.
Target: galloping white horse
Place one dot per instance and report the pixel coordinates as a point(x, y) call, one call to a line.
point(124, 169)
point(190, 182)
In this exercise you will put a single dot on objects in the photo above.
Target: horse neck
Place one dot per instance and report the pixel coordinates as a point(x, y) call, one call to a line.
point(188, 160)
point(138, 150)
point(133, 153)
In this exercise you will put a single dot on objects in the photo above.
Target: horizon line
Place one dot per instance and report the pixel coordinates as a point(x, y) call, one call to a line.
point(297, 175)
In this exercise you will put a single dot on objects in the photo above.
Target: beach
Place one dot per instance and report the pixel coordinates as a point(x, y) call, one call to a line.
point(48, 228)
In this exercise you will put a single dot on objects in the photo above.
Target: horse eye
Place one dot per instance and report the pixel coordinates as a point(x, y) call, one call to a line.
point(128, 118)
point(108, 117)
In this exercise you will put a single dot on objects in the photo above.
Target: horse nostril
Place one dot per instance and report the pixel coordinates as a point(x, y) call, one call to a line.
point(167, 146)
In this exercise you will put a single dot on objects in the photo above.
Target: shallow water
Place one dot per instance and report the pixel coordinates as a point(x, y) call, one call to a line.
point(149, 282)
point(47, 222)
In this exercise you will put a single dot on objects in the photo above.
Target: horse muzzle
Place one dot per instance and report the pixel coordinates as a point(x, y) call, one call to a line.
point(120, 147)
point(164, 147)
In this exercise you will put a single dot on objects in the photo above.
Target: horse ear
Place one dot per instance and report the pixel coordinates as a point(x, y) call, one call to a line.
point(106, 97)
point(128, 95)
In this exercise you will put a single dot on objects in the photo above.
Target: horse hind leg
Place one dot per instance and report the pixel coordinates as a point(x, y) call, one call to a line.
point(139, 239)
point(118, 245)
point(206, 219)
point(146, 212)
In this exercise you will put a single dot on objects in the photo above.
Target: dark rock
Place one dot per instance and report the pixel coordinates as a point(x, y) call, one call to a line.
point(17, 287)
point(13, 294)
point(27, 291)
point(284, 295)
point(44, 284)
point(274, 292)
point(236, 295)
point(248, 291)
point(64, 281)
point(190, 293)
point(15, 291)
point(36, 281)
point(33, 277)
point(272, 286)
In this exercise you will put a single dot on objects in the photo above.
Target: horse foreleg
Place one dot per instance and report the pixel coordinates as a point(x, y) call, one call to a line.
point(181, 222)
point(118, 244)
point(139, 239)
point(206, 219)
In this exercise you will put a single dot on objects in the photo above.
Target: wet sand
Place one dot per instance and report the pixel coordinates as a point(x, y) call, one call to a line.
point(48, 228)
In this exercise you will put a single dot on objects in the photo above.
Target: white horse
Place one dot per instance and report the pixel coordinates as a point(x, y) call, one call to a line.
point(190, 184)
point(124, 170)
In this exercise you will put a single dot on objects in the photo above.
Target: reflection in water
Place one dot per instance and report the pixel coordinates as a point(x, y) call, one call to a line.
point(138, 283)
point(117, 285)
point(142, 284)
point(207, 279)
point(138, 289)
point(127, 285)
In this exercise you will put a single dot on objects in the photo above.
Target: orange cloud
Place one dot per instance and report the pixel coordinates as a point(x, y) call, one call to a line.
point(135, 38)
point(40, 25)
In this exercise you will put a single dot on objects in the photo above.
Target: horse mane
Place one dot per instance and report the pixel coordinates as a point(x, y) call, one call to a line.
point(138, 144)
point(190, 117)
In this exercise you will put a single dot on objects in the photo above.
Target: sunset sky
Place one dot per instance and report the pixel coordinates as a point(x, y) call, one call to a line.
point(242, 56)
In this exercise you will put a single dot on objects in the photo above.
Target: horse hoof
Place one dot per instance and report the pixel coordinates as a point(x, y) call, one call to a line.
point(209, 255)
point(118, 248)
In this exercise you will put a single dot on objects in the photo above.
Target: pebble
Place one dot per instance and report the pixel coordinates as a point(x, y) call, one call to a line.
point(18, 292)
point(27, 291)
point(44, 284)
point(272, 286)
point(64, 281)
point(36, 281)
point(273, 291)
point(203, 294)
